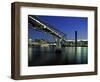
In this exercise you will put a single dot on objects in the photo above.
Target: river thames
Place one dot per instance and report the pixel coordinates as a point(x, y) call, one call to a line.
point(45, 56)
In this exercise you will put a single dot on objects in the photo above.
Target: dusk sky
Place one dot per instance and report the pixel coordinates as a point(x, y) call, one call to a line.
point(67, 25)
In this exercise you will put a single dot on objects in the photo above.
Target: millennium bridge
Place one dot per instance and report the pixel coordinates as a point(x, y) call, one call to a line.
point(40, 25)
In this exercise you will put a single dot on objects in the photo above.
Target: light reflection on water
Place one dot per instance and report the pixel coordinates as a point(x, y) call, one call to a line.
point(43, 56)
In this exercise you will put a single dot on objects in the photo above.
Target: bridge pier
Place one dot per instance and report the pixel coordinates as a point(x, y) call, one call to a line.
point(58, 43)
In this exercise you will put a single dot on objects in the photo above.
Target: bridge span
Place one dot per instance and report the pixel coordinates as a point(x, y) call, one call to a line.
point(40, 25)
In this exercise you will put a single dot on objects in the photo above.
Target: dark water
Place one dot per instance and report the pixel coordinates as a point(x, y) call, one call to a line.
point(44, 56)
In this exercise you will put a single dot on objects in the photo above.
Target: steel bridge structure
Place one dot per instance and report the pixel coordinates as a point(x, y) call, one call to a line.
point(45, 27)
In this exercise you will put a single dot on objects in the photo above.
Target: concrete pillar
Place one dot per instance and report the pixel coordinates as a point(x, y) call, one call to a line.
point(58, 43)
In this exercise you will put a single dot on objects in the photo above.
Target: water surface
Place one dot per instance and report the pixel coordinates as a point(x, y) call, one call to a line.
point(44, 56)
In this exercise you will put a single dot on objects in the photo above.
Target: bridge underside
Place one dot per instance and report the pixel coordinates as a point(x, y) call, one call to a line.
point(40, 26)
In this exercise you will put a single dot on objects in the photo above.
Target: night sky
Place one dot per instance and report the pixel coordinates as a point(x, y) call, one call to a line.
point(67, 25)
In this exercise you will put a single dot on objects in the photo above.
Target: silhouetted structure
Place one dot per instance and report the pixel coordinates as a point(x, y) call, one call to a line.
point(75, 38)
